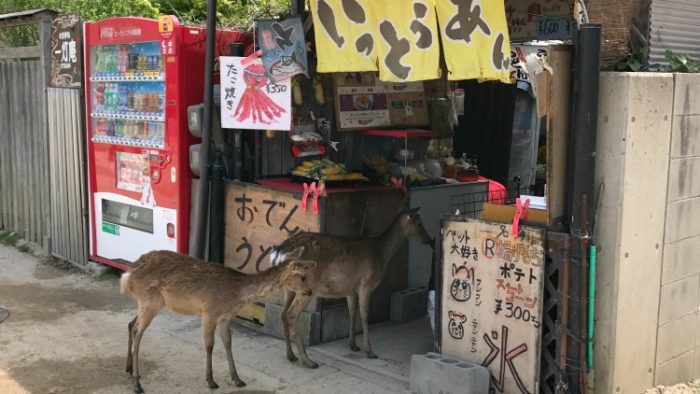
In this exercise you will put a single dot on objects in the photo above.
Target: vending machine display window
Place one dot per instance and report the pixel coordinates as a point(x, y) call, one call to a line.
point(128, 93)
point(132, 171)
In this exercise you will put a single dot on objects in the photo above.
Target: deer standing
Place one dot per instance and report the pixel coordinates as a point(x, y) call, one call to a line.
point(349, 267)
point(189, 286)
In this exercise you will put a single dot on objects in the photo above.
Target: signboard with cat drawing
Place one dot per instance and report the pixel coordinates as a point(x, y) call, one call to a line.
point(491, 287)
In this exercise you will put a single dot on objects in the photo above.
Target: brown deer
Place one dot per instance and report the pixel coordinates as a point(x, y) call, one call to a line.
point(349, 267)
point(189, 286)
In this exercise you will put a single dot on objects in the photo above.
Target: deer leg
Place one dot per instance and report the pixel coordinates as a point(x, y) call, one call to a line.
point(300, 302)
point(129, 359)
point(144, 318)
point(364, 315)
point(288, 298)
point(352, 307)
point(225, 334)
point(208, 328)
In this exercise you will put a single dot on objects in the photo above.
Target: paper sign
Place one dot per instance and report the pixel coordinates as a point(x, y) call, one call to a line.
point(491, 300)
point(475, 39)
point(284, 48)
point(538, 19)
point(397, 38)
point(249, 100)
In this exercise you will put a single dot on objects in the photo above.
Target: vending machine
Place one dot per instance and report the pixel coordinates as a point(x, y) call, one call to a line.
point(140, 77)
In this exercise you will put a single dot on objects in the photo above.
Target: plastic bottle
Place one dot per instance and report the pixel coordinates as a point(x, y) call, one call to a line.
point(123, 97)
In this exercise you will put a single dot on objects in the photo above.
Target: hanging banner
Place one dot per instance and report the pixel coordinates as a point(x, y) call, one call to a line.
point(283, 48)
point(475, 39)
point(398, 38)
point(491, 300)
point(249, 100)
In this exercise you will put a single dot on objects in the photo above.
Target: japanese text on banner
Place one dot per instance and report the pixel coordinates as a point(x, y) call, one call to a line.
point(398, 38)
point(475, 39)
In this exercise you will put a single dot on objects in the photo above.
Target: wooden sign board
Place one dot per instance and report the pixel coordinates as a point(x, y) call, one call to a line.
point(258, 220)
point(491, 300)
point(66, 52)
point(363, 101)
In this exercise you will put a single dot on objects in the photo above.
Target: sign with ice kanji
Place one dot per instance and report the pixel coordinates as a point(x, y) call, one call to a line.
point(250, 100)
point(399, 38)
point(66, 52)
point(258, 220)
point(491, 300)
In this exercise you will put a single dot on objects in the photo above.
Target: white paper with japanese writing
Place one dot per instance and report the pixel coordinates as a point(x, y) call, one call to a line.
point(492, 287)
point(249, 100)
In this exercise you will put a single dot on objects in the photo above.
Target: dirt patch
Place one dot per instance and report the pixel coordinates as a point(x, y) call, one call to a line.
point(85, 375)
point(34, 302)
point(683, 388)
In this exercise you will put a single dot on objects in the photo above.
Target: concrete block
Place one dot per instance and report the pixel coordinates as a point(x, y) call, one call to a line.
point(676, 338)
point(335, 323)
point(681, 259)
point(309, 324)
point(676, 370)
point(685, 101)
point(681, 219)
point(684, 178)
point(409, 304)
point(685, 136)
point(434, 373)
point(678, 299)
point(696, 364)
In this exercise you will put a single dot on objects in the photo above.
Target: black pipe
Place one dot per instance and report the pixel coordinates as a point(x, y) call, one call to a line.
point(200, 219)
point(585, 121)
point(237, 49)
point(216, 219)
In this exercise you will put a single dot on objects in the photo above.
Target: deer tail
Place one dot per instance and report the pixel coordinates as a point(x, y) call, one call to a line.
point(124, 282)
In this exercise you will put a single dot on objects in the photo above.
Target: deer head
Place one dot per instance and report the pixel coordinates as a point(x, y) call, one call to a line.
point(413, 228)
point(295, 271)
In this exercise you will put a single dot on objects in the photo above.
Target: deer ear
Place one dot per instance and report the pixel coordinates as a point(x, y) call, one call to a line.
point(413, 211)
point(451, 315)
point(296, 253)
point(302, 266)
point(454, 269)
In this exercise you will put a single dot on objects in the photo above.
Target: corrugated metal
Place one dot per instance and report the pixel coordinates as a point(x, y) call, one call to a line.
point(674, 25)
point(24, 180)
point(67, 176)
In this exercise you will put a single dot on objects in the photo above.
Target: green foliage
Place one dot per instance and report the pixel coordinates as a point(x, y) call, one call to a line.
point(680, 63)
point(634, 62)
point(230, 13)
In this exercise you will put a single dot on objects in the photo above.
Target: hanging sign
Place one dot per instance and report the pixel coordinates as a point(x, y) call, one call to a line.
point(475, 39)
point(249, 99)
point(541, 20)
point(397, 38)
point(491, 300)
point(283, 48)
point(66, 52)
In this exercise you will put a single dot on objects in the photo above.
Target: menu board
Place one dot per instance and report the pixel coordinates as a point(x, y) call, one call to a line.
point(492, 283)
point(363, 101)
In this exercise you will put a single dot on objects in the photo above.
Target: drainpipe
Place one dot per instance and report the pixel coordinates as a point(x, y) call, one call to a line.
point(201, 212)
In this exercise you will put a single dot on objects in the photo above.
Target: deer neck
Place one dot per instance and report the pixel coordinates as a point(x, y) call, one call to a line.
point(263, 284)
point(390, 241)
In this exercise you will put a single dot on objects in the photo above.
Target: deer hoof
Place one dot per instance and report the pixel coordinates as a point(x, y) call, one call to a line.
point(239, 383)
point(213, 385)
point(137, 388)
point(292, 358)
point(354, 348)
point(129, 369)
point(310, 364)
point(370, 354)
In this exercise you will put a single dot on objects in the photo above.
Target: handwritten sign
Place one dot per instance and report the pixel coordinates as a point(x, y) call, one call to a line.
point(397, 38)
point(284, 47)
point(257, 221)
point(491, 301)
point(539, 19)
point(66, 52)
point(475, 39)
point(250, 100)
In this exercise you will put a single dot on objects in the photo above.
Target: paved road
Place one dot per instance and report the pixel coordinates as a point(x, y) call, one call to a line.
point(67, 333)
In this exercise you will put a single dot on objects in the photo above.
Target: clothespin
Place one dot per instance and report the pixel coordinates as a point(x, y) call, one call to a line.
point(251, 57)
point(317, 192)
point(305, 196)
point(520, 213)
point(399, 184)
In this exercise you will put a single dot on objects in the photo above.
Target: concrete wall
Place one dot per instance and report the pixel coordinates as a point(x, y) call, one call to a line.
point(648, 282)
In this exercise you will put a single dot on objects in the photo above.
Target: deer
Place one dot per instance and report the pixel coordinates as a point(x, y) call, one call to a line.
point(349, 267)
point(189, 286)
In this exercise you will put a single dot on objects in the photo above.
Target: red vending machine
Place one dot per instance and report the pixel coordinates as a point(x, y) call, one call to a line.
point(141, 75)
